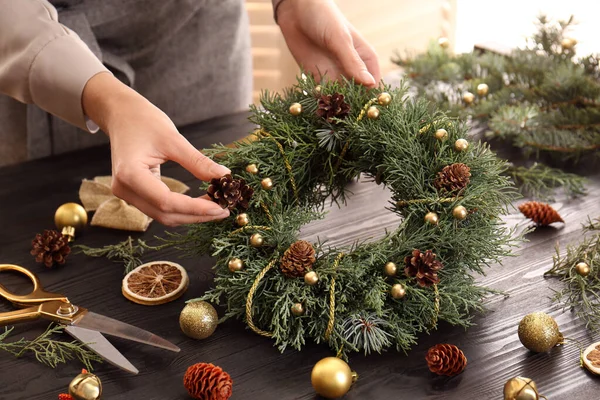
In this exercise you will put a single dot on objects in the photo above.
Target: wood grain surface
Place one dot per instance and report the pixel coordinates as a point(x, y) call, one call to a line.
point(30, 192)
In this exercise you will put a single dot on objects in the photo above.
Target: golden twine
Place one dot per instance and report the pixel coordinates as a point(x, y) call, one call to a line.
point(331, 322)
point(266, 210)
point(360, 117)
point(404, 203)
point(436, 306)
point(251, 297)
point(245, 228)
point(285, 161)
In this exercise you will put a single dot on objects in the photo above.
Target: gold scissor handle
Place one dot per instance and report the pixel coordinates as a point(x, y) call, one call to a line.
point(37, 295)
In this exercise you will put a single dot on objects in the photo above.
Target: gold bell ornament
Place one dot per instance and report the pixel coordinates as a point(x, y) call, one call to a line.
point(85, 386)
point(520, 388)
point(69, 218)
point(331, 377)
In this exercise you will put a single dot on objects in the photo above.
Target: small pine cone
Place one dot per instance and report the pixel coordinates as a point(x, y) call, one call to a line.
point(333, 106)
point(298, 259)
point(50, 247)
point(453, 177)
point(65, 396)
point(230, 193)
point(207, 382)
point(541, 213)
point(446, 359)
point(423, 266)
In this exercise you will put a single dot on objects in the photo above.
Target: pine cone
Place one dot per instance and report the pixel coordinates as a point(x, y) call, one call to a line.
point(446, 359)
point(453, 177)
point(65, 396)
point(50, 247)
point(207, 382)
point(541, 213)
point(298, 259)
point(333, 106)
point(230, 193)
point(423, 266)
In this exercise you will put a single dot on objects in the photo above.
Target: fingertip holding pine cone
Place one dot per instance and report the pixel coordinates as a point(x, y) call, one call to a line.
point(230, 193)
point(446, 359)
point(541, 213)
point(50, 247)
point(205, 381)
point(423, 266)
point(453, 178)
point(298, 259)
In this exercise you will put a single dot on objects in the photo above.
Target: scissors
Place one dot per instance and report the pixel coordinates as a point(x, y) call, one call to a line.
point(83, 325)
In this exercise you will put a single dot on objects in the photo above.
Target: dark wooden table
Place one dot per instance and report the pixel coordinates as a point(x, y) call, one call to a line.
point(30, 192)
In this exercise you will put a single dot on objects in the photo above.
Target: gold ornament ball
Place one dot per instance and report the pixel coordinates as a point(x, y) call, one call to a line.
point(461, 145)
point(198, 320)
point(460, 212)
point(568, 43)
point(373, 112)
point(298, 309)
point(432, 218)
point(539, 332)
point(252, 169)
point(441, 134)
point(69, 218)
point(390, 269)
point(267, 184)
point(582, 269)
point(468, 97)
point(85, 386)
point(331, 377)
point(443, 42)
point(256, 240)
point(398, 291)
point(235, 264)
point(242, 219)
point(520, 388)
point(296, 109)
point(318, 89)
point(384, 99)
point(311, 278)
point(482, 89)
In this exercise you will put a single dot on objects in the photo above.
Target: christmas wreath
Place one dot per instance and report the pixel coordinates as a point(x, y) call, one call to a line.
point(312, 140)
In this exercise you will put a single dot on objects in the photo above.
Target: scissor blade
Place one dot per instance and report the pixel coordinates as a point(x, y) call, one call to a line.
point(100, 323)
point(96, 342)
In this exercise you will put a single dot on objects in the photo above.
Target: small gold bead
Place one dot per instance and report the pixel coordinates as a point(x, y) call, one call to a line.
point(256, 240)
point(468, 97)
point(252, 169)
point(384, 99)
point(311, 278)
point(568, 43)
point(298, 309)
point(296, 109)
point(582, 269)
point(482, 89)
point(431, 218)
point(398, 291)
point(460, 212)
point(461, 145)
point(441, 134)
point(242, 219)
point(443, 42)
point(373, 112)
point(267, 184)
point(235, 264)
point(390, 269)
point(318, 89)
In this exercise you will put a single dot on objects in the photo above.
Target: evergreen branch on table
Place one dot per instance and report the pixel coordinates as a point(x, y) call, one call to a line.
point(539, 181)
point(49, 351)
point(127, 252)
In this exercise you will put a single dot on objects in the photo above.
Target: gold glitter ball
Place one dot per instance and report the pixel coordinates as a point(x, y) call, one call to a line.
point(398, 291)
point(390, 269)
point(582, 269)
point(482, 89)
point(252, 169)
point(296, 109)
point(256, 240)
point(441, 134)
point(267, 184)
point(384, 99)
point(432, 218)
point(468, 97)
point(461, 145)
point(373, 112)
point(539, 332)
point(298, 309)
point(460, 212)
point(198, 319)
point(235, 264)
point(311, 278)
point(242, 219)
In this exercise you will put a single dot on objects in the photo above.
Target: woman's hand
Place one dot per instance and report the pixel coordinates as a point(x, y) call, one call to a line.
point(323, 42)
point(142, 138)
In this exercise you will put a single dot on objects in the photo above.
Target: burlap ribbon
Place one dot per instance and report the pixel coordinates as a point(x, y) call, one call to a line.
point(112, 212)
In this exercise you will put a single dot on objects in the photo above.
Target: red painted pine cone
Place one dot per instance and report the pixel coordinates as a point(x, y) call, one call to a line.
point(205, 381)
point(446, 359)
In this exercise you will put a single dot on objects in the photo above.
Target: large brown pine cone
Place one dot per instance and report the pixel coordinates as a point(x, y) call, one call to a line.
point(230, 193)
point(207, 382)
point(298, 259)
point(50, 247)
point(453, 177)
point(333, 106)
point(446, 359)
point(423, 266)
point(541, 213)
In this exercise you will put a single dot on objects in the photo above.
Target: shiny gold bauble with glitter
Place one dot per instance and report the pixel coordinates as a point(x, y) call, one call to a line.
point(443, 42)
point(198, 319)
point(242, 219)
point(398, 291)
point(520, 388)
point(390, 269)
point(331, 377)
point(311, 278)
point(267, 184)
point(539, 332)
point(86, 386)
point(296, 109)
point(460, 212)
point(441, 134)
point(461, 145)
point(373, 112)
point(582, 269)
point(384, 99)
point(568, 43)
point(70, 217)
point(298, 309)
point(468, 97)
point(432, 218)
point(482, 89)
point(235, 264)
point(252, 169)
point(256, 240)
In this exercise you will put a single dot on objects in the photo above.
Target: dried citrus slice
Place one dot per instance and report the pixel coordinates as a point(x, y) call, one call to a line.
point(591, 358)
point(156, 282)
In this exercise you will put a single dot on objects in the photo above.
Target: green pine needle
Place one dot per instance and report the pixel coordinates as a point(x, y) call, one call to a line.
point(127, 252)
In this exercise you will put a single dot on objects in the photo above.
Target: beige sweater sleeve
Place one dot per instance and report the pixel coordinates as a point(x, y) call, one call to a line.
point(42, 61)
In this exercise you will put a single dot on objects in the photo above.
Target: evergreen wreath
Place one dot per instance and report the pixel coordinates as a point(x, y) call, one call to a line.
point(312, 140)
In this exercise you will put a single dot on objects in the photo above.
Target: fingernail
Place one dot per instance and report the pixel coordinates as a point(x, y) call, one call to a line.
point(217, 212)
point(366, 78)
point(219, 170)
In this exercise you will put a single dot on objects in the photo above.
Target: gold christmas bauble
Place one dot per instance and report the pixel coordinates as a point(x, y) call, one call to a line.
point(443, 42)
point(296, 109)
point(460, 212)
point(198, 319)
point(85, 386)
point(398, 291)
point(432, 218)
point(331, 377)
point(318, 89)
point(373, 112)
point(242, 219)
point(311, 278)
point(568, 43)
point(390, 269)
point(539, 332)
point(298, 309)
point(468, 97)
point(520, 388)
point(256, 240)
point(461, 145)
point(582, 269)
point(441, 134)
point(69, 218)
point(384, 99)
point(482, 89)
point(267, 184)
point(252, 169)
point(235, 264)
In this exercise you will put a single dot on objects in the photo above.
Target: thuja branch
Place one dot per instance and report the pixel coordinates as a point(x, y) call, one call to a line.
point(539, 180)
point(127, 252)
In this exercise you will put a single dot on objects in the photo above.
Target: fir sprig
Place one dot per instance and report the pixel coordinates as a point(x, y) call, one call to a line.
point(540, 181)
point(127, 252)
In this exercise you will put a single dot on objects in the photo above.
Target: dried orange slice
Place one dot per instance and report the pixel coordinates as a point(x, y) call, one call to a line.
point(156, 282)
point(591, 358)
